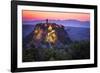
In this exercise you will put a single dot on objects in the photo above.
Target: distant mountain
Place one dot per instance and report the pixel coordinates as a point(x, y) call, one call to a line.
point(27, 29)
point(72, 23)
point(78, 33)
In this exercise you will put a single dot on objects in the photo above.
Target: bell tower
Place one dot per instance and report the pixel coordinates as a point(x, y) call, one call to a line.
point(46, 21)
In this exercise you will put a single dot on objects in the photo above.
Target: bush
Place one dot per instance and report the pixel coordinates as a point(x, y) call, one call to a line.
point(62, 55)
point(80, 50)
point(75, 50)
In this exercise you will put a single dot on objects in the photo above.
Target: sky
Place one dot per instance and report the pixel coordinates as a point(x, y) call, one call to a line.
point(42, 15)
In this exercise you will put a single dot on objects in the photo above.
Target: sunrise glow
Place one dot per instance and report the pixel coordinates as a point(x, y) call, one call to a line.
point(40, 15)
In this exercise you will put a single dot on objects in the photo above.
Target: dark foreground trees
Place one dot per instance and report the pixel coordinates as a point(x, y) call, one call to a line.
point(73, 51)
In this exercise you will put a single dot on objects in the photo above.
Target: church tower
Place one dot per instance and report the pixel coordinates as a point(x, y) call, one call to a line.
point(46, 21)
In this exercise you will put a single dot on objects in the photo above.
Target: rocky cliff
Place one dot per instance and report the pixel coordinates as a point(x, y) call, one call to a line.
point(47, 35)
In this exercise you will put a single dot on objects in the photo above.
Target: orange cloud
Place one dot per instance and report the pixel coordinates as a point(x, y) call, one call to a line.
point(29, 14)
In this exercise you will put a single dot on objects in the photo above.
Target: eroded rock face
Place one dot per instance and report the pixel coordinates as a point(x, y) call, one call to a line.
point(47, 35)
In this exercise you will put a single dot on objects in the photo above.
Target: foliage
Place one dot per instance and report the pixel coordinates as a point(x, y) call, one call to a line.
point(80, 50)
point(75, 50)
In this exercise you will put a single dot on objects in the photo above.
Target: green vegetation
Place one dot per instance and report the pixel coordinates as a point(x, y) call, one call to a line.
point(80, 50)
point(75, 50)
